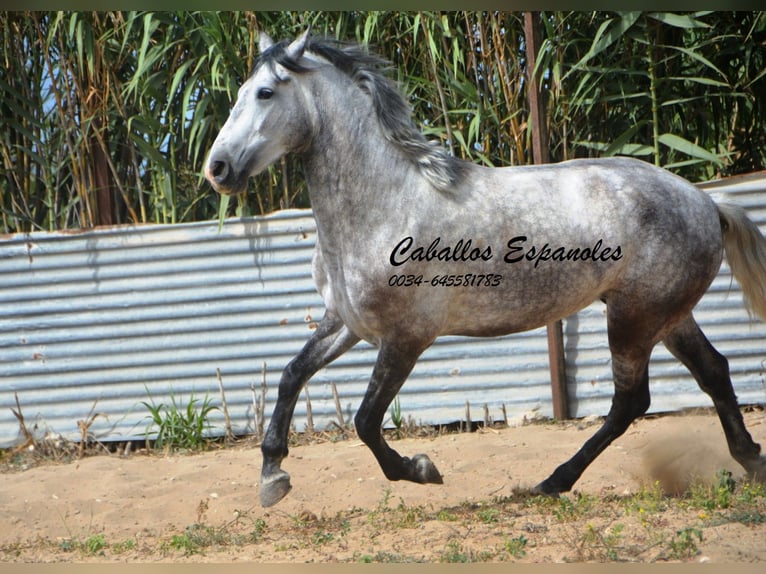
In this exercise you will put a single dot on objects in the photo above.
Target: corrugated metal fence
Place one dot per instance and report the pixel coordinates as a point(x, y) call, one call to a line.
point(118, 316)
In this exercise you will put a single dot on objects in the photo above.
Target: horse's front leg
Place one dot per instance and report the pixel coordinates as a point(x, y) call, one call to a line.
point(392, 367)
point(330, 340)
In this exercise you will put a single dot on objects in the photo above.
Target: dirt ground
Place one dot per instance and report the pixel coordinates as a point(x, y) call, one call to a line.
point(142, 507)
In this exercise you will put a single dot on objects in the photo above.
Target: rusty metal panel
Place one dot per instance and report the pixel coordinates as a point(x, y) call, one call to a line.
point(720, 314)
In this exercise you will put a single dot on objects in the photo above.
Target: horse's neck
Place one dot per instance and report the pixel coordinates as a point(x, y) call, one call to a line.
point(354, 174)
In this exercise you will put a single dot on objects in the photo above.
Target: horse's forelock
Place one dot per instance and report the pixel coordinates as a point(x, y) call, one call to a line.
point(277, 54)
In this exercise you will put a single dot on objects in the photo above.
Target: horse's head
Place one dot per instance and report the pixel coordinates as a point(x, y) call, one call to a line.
point(269, 119)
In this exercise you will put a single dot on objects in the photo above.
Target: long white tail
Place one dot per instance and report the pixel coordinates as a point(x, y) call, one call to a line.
point(745, 248)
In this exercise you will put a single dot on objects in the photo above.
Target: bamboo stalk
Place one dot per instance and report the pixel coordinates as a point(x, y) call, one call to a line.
point(309, 414)
point(262, 402)
point(227, 420)
point(654, 102)
point(439, 90)
point(338, 408)
point(468, 421)
point(256, 414)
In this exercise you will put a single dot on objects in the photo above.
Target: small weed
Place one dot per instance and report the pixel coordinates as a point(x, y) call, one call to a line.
point(179, 427)
point(396, 415)
point(748, 517)
point(445, 515)
point(408, 516)
point(683, 546)
point(488, 515)
point(321, 537)
point(259, 527)
point(538, 502)
point(124, 546)
point(570, 509)
point(516, 547)
point(403, 516)
point(744, 503)
point(456, 553)
point(647, 501)
point(184, 543)
point(94, 544)
point(750, 493)
point(383, 557)
point(713, 497)
point(453, 553)
point(198, 536)
point(603, 543)
point(565, 508)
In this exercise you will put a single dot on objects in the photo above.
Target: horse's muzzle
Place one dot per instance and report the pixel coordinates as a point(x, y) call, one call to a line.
point(222, 176)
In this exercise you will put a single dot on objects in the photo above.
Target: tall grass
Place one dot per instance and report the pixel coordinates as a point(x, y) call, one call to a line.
point(105, 117)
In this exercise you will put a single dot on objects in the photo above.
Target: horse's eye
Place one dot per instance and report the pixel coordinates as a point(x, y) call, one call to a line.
point(265, 93)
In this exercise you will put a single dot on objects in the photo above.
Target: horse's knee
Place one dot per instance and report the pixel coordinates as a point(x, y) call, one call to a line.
point(628, 406)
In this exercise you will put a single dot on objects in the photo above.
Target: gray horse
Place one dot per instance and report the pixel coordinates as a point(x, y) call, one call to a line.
point(413, 244)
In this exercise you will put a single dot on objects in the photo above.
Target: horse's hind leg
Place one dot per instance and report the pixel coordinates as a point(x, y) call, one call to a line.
point(711, 370)
point(630, 346)
point(392, 367)
point(330, 340)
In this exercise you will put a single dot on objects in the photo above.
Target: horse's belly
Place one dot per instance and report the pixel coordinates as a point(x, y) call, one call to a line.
point(519, 304)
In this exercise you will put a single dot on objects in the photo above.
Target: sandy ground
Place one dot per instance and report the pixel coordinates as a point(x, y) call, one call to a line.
point(137, 504)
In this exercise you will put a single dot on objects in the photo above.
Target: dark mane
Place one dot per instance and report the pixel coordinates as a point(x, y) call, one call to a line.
point(368, 71)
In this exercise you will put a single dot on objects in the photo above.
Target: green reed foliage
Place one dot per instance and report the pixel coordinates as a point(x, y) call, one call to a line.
point(106, 117)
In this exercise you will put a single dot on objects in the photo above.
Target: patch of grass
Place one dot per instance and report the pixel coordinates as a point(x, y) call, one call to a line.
point(199, 536)
point(313, 531)
point(488, 515)
point(445, 515)
point(647, 500)
point(384, 557)
point(321, 537)
point(573, 508)
point(93, 545)
point(725, 500)
point(453, 553)
point(402, 516)
point(456, 553)
point(603, 543)
point(719, 495)
point(124, 546)
point(179, 427)
point(516, 547)
point(683, 545)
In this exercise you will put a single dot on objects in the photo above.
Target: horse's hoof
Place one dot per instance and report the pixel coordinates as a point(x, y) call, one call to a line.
point(757, 470)
point(425, 470)
point(543, 489)
point(274, 488)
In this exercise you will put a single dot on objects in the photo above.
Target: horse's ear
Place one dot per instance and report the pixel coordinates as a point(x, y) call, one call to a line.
point(264, 41)
point(296, 48)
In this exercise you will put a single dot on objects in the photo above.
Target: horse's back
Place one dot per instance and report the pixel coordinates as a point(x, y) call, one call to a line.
point(614, 229)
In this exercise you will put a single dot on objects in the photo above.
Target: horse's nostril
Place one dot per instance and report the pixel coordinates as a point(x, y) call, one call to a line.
point(219, 170)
